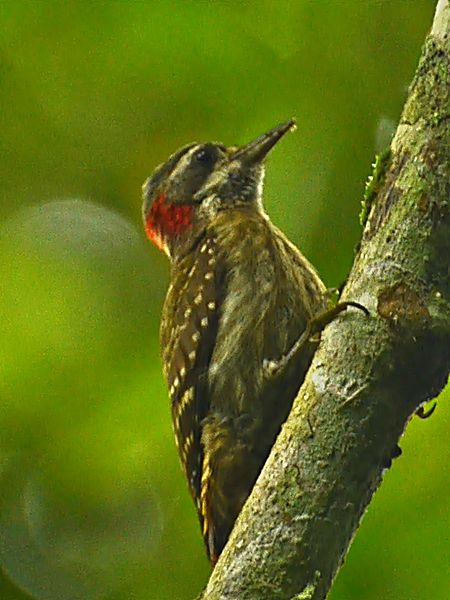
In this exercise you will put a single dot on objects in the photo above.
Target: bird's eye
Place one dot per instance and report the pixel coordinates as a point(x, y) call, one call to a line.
point(202, 156)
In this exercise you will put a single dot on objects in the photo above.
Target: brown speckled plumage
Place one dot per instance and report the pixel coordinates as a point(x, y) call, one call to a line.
point(240, 294)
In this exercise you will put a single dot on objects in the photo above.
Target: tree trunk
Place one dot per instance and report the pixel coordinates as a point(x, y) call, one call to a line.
point(369, 375)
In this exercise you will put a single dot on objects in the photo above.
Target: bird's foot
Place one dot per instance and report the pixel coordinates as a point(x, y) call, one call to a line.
point(273, 368)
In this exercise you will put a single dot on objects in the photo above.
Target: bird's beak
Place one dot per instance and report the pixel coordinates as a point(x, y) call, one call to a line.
point(256, 150)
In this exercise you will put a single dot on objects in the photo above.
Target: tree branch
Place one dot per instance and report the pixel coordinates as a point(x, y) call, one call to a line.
point(370, 373)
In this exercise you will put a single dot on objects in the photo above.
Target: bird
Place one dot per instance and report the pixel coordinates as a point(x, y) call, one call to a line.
point(237, 321)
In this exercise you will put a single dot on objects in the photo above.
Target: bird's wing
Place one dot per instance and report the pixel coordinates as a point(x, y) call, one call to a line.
point(188, 335)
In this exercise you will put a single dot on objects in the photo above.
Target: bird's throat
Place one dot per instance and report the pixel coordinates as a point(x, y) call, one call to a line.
point(165, 221)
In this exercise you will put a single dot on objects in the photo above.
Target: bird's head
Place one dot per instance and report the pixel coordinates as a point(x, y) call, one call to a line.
point(197, 181)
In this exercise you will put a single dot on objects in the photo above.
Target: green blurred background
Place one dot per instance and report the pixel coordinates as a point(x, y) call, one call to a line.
point(93, 95)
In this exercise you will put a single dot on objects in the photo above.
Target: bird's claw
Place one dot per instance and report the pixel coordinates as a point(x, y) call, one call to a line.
point(270, 368)
point(424, 414)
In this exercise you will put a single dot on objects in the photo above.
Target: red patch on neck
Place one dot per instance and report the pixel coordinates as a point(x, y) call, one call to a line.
point(167, 221)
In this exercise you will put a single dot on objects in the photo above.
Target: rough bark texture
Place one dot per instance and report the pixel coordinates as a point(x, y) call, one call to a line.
point(370, 373)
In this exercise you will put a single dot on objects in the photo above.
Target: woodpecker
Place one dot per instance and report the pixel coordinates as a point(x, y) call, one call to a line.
point(236, 323)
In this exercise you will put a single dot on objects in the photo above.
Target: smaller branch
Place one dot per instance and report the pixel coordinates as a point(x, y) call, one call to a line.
point(441, 18)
